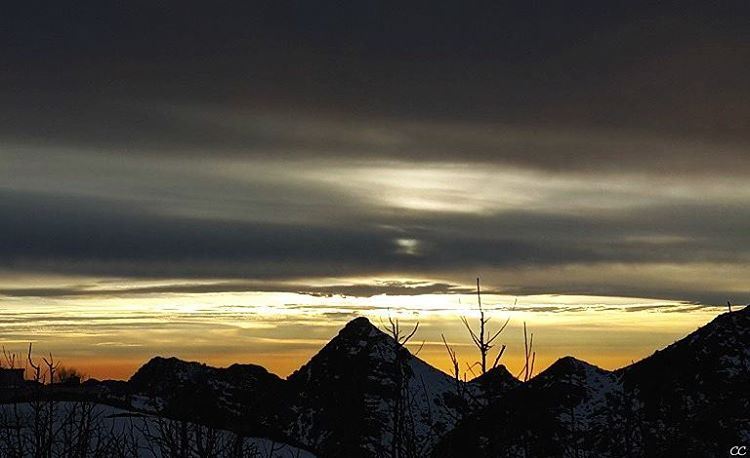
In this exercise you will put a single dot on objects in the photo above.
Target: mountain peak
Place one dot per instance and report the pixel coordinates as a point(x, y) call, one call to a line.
point(494, 383)
point(571, 362)
point(358, 322)
point(360, 326)
point(160, 367)
point(499, 375)
point(569, 369)
point(359, 334)
point(358, 339)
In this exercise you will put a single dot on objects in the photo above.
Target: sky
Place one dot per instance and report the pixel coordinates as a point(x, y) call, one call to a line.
point(173, 173)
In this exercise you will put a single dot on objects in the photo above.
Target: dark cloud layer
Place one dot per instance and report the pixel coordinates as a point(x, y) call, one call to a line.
point(547, 85)
point(295, 140)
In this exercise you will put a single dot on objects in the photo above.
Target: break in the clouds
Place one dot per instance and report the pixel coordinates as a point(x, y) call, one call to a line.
point(589, 149)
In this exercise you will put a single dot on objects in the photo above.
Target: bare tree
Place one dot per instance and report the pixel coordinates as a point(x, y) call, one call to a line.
point(484, 339)
point(529, 356)
point(465, 398)
point(36, 375)
point(35, 424)
point(455, 366)
point(9, 359)
point(65, 373)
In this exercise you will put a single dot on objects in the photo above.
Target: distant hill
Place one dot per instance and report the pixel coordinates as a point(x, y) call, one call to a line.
point(243, 397)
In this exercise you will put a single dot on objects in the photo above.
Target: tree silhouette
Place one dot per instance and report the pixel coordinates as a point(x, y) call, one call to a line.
point(482, 339)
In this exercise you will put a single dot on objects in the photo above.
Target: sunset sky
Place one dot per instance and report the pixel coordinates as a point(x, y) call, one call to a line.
point(232, 182)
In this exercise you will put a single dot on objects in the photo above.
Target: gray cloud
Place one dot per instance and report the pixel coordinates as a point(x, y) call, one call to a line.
point(94, 237)
point(355, 289)
point(646, 88)
point(583, 150)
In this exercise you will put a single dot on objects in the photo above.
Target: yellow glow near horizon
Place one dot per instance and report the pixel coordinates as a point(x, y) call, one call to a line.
point(111, 335)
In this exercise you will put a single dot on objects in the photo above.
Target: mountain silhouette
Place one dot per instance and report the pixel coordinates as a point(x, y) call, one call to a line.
point(242, 397)
point(352, 398)
point(690, 399)
point(365, 394)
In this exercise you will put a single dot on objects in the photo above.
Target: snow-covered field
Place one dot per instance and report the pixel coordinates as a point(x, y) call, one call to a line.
point(67, 428)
